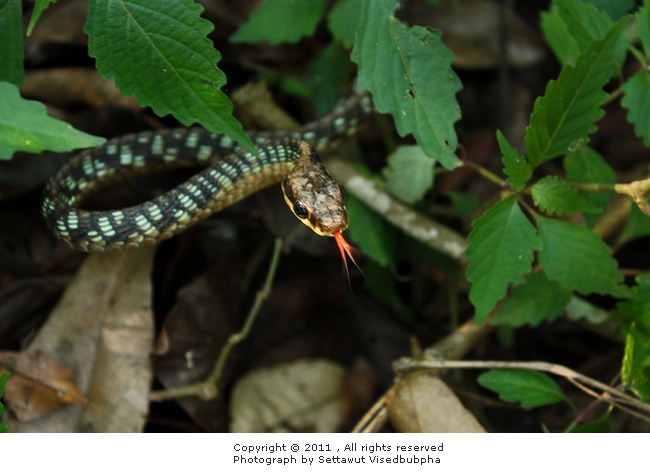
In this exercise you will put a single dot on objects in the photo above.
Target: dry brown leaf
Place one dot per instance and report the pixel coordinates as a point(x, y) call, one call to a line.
point(37, 384)
point(102, 329)
point(302, 396)
point(42, 368)
point(420, 402)
point(205, 314)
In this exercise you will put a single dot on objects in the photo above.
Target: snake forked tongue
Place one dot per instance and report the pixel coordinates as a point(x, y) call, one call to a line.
point(345, 249)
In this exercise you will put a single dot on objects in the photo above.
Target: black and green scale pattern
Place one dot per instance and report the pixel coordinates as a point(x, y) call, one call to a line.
point(231, 174)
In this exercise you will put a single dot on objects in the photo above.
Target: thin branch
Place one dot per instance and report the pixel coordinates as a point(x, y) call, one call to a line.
point(209, 388)
point(613, 395)
point(416, 225)
point(453, 346)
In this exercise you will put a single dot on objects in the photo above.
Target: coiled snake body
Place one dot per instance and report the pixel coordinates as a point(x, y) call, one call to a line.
point(231, 174)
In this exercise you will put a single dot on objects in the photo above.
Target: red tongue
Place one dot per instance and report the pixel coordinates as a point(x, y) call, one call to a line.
point(345, 249)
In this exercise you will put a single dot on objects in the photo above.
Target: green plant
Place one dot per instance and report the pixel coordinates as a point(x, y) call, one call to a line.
point(3, 380)
point(525, 263)
point(522, 228)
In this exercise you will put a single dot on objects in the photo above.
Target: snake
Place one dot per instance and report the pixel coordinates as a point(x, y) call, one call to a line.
point(230, 174)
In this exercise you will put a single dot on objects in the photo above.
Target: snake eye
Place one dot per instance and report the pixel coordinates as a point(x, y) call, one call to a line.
point(344, 195)
point(300, 210)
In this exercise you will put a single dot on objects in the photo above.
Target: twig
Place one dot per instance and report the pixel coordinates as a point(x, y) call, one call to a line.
point(638, 190)
point(610, 395)
point(374, 419)
point(415, 224)
point(209, 388)
point(453, 346)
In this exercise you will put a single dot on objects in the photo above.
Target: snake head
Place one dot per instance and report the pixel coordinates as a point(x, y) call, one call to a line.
point(315, 197)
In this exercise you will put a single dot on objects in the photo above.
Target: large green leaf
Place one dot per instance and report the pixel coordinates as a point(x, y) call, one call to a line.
point(577, 258)
point(409, 174)
point(516, 167)
point(408, 71)
point(638, 225)
point(25, 125)
point(3, 380)
point(556, 33)
point(636, 314)
point(374, 236)
point(584, 21)
point(344, 19)
point(12, 52)
point(381, 281)
point(500, 251)
point(281, 21)
point(328, 75)
point(532, 302)
point(564, 117)
point(643, 27)
point(636, 362)
point(637, 309)
point(530, 388)
point(158, 50)
point(555, 196)
point(614, 8)
point(585, 165)
point(637, 101)
point(600, 425)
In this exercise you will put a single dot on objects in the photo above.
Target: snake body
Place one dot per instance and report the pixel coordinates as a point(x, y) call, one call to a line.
point(231, 174)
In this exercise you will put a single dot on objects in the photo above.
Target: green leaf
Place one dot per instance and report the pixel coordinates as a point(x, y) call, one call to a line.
point(564, 117)
point(281, 21)
point(585, 165)
point(636, 361)
point(555, 196)
point(39, 8)
point(25, 125)
point(636, 314)
point(637, 101)
point(532, 302)
point(577, 258)
point(643, 27)
point(429, 256)
point(516, 167)
point(374, 236)
point(409, 174)
point(637, 309)
point(556, 33)
point(587, 23)
point(382, 284)
point(328, 75)
point(584, 21)
point(500, 251)
point(464, 203)
point(3, 380)
point(614, 8)
point(158, 50)
point(12, 51)
point(343, 20)
point(289, 84)
point(579, 308)
point(638, 225)
point(530, 388)
point(408, 71)
point(600, 425)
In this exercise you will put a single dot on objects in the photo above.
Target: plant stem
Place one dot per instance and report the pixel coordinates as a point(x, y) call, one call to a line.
point(209, 388)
